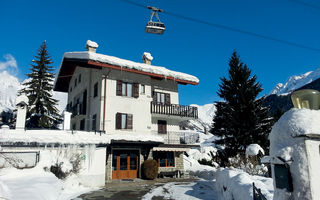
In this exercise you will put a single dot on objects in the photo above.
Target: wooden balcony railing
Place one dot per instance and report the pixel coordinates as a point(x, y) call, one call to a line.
point(174, 109)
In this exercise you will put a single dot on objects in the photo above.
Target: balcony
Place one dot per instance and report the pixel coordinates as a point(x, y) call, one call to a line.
point(179, 137)
point(174, 110)
point(78, 109)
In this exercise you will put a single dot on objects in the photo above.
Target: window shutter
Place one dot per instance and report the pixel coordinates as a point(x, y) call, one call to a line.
point(167, 99)
point(118, 121)
point(154, 97)
point(129, 121)
point(135, 89)
point(119, 88)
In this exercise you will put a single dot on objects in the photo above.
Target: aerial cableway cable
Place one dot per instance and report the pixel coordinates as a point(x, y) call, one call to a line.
point(229, 28)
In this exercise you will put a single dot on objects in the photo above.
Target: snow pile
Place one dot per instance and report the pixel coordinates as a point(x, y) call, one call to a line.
point(253, 150)
point(92, 44)
point(237, 185)
point(39, 184)
point(8, 91)
point(286, 144)
point(130, 65)
point(296, 82)
point(69, 137)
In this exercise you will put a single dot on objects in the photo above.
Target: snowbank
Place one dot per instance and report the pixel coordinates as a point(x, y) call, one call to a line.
point(38, 184)
point(237, 185)
point(286, 143)
point(130, 65)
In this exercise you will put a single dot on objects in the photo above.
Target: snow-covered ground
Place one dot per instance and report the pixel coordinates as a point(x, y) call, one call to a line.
point(214, 183)
point(38, 184)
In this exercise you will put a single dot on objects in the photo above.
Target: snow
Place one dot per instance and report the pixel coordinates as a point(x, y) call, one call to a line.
point(8, 91)
point(205, 116)
point(237, 185)
point(69, 137)
point(286, 143)
point(130, 65)
point(92, 44)
point(296, 82)
point(254, 149)
point(147, 55)
point(39, 184)
point(10, 86)
point(22, 99)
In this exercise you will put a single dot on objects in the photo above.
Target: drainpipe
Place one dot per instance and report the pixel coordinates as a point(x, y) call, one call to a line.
point(105, 99)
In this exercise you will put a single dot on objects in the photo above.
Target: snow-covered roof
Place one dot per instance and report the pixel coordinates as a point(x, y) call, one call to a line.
point(90, 58)
point(69, 137)
point(130, 65)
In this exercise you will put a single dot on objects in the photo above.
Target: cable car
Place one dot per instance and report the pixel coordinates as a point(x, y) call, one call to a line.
point(155, 27)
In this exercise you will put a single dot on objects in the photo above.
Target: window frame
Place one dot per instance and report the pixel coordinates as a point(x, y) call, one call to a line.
point(160, 156)
point(143, 89)
point(124, 121)
point(127, 89)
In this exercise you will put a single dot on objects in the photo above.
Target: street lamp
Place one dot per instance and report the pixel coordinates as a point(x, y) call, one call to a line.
point(306, 98)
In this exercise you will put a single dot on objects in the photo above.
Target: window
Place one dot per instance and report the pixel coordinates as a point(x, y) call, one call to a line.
point(94, 122)
point(127, 89)
point(75, 82)
point(161, 98)
point(74, 126)
point(95, 90)
point(71, 89)
point(82, 124)
point(123, 121)
point(79, 78)
point(162, 126)
point(164, 158)
point(143, 89)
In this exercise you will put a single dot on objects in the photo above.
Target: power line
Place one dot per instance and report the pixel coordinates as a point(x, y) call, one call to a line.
point(229, 28)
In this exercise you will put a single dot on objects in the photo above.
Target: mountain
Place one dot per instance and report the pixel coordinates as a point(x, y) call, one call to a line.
point(9, 87)
point(205, 116)
point(279, 99)
point(296, 82)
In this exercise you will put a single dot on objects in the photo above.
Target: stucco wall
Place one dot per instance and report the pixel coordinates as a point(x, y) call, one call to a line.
point(313, 154)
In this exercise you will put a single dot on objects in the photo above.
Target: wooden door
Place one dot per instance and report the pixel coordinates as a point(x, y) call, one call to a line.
point(125, 164)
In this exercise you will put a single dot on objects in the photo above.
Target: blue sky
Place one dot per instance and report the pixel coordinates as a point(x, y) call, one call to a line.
point(186, 46)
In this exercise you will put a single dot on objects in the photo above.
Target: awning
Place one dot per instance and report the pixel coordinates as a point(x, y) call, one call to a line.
point(170, 149)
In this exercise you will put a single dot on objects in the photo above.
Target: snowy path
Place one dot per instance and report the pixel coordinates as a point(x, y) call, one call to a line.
point(202, 189)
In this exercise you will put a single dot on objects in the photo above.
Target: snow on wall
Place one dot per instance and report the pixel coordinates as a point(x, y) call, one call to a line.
point(69, 137)
point(286, 143)
point(313, 155)
point(130, 65)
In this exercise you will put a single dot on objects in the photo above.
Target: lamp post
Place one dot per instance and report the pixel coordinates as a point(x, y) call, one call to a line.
point(306, 98)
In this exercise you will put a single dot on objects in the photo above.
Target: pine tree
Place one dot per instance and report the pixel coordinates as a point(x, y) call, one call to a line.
point(241, 119)
point(42, 111)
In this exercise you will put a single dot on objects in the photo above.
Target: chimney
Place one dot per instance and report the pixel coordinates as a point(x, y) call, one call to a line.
point(91, 46)
point(22, 104)
point(66, 120)
point(147, 58)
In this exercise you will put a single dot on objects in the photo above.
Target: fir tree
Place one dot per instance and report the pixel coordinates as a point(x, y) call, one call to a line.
point(241, 119)
point(42, 111)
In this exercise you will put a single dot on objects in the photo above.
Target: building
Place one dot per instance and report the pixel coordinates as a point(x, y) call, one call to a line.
point(121, 97)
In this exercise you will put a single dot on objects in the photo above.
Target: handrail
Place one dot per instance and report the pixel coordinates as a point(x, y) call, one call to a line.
point(174, 109)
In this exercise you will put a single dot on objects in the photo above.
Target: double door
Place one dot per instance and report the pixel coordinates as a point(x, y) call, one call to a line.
point(125, 164)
